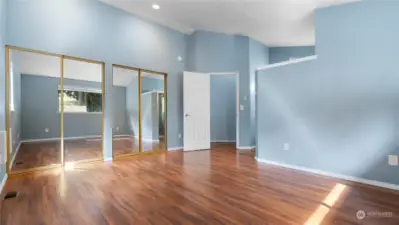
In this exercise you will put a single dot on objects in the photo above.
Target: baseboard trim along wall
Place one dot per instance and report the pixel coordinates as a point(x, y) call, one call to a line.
point(246, 147)
point(224, 141)
point(15, 154)
point(3, 182)
point(175, 148)
point(70, 138)
point(338, 176)
point(108, 159)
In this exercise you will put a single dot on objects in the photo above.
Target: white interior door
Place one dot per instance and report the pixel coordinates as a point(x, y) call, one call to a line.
point(197, 113)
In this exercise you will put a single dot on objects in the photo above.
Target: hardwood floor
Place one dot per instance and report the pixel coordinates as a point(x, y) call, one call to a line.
point(38, 154)
point(218, 186)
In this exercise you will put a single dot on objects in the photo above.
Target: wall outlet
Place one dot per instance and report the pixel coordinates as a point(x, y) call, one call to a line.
point(286, 146)
point(393, 160)
point(241, 107)
point(179, 135)
point(46, 130)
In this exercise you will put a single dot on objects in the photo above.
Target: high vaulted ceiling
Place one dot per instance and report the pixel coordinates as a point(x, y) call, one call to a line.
point(272, 22)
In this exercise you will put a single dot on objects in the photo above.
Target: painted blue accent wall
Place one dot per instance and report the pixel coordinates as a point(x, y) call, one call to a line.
point(339, 113)
point(280, 54)
point(93, 30)
point(258, 56)
point(223, 107)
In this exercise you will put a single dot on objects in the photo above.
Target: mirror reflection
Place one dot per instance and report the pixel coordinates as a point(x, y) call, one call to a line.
point(82, 102)
point(34, 119)
point(125, 93)
point(153, 110)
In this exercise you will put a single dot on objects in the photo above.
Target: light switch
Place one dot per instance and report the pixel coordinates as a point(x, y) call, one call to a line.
point(241, 107)
point(245, 98)
point(393, 160)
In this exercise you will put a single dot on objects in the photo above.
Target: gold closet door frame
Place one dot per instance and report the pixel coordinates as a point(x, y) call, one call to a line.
point(8, 111)
point(140, 71)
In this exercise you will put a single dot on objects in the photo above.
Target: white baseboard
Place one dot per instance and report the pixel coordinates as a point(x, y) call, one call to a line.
point(58, 138)
point(224, 141)
point(175, 148)
point(15, 154)
point(334, 175)
point(108, 159)
point(246, 147)
point(3, 182)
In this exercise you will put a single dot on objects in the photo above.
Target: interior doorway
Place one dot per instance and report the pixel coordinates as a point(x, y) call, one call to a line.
point(223, 88)
point(201, 126)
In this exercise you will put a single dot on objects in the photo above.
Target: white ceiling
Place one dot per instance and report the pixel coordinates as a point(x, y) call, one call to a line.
point(272, 22)
point(44, 65)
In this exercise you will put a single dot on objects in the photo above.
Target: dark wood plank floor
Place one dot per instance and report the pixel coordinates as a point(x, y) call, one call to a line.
point(218, 186)
point(38, 154)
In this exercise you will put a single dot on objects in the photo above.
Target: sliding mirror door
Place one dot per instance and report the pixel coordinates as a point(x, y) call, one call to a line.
point(33, 118)
point(82, 106)
point(125, 93)
point(153, 112)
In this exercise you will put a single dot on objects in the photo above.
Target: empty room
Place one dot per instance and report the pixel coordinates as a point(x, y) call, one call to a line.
point(199, 112)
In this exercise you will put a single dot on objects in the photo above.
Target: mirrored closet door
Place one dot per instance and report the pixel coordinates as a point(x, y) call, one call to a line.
point(125, 105)
point(153, 111)
point(33, 117)
point(81, 101)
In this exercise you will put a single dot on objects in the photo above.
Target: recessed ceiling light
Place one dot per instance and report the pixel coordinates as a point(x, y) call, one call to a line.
point(155, 6)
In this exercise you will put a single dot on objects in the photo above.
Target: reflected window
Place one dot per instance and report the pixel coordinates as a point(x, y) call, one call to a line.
point(81, 100)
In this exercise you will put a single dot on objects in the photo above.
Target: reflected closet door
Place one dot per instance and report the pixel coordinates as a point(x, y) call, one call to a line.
point(33, 117)
point(153, 112)
point(82, 98)
point(126, 127)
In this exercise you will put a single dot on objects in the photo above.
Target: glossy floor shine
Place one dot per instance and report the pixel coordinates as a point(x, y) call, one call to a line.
point(219, 186)
point(45, 153)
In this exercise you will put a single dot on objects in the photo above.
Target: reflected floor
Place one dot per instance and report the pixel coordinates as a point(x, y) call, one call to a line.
point(123, 145)
point(46, 153)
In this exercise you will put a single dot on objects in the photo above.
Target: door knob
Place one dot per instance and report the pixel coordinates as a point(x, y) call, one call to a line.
point(185, 115)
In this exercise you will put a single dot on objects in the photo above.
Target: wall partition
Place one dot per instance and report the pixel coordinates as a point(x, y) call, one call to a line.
point(54, 110)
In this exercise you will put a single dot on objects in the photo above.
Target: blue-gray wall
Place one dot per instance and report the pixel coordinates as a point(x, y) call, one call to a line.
point(39, 104)
point(280, 54)
point(223, 107)
point(212, 52)
point(258, 56)
point(16, 113)
point(339, 113)
point(3, 31)
point(107, 34)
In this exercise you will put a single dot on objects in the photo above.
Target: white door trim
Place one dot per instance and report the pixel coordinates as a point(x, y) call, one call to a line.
point(237, 74)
